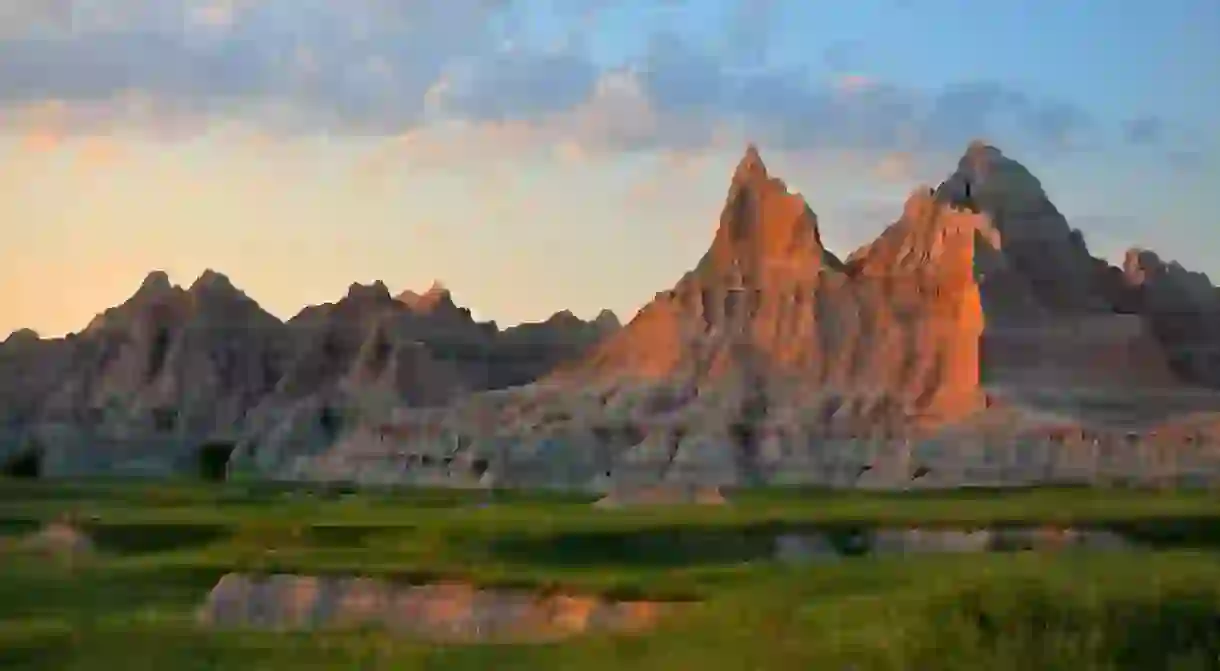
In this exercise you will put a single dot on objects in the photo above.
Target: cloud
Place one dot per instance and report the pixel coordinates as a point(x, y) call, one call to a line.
point(41, 142)
point(895, 167)
point(388, 67)
point(353, 67)
point(518, 84)
point(1186, 150)
point(1060, 125)
point(1144, 130)
point(751, 25)
point(1187, 160)
point(571, 153)
point(99, 152)
point(19, 16)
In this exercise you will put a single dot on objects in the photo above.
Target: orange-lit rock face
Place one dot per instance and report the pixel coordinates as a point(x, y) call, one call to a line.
point(977, 316)
point(902, 319)
point(767, 236)
point(772, 359)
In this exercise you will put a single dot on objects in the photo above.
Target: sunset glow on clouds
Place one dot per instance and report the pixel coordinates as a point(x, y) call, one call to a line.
point(510, 128)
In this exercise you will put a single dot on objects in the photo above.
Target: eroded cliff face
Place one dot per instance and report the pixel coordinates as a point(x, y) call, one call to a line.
point(767, 347)
point(1182, 310)
point(354, 363)
point(769, 305)
point(974, 340)
point(171, 369)
point(962, 336)
point(30, 367)
point(1053, 316)
point(169, 362)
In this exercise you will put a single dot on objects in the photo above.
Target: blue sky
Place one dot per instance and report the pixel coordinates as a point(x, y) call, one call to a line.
point(538, 155)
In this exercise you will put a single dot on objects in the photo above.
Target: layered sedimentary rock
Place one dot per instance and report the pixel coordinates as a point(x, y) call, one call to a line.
point(354, 363)
point(770, 344)
point(525, 352)
point(169, 366)
point(172, 369)
point(952, 349)
point(1182, 309)
point(976, 340)
point(29, 369)
point(348, 362)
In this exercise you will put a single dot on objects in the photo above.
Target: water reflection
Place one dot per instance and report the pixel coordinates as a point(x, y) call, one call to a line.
point(804, 546)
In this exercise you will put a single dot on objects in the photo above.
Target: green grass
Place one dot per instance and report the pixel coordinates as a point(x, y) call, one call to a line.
point(162, 546)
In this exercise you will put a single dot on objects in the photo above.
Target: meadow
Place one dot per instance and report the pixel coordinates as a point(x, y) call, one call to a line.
point(159, 548)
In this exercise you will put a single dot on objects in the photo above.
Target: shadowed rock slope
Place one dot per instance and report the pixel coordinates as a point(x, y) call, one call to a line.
point(168, 366)
point(355, 362)
point(975, 340)
point(171, 369)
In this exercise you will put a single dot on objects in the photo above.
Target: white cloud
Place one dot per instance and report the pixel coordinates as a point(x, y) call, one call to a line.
point(379, 67)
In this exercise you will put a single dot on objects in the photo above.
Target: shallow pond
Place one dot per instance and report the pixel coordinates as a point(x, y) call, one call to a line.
point(702, 546)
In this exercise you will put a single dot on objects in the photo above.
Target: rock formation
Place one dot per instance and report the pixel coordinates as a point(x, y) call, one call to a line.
point(954, 348)
point(168, 366)
point(976, 340)
point(173, 369)
point(349, 362)
point(770, 344)
point(28, 366)
point(527, 351)
point(354, 363)
point(1182, 309)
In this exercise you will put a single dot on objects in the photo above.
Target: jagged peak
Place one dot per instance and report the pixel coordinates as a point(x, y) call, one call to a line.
point(981, 147)
point(985, 167)
point(376, 291)
point(156, 281)
point(1138, 258)
point(913, 240)
point(22, 336)
point(211, 280)
point(1141, 265)
point(763, 227)
point(919, 197)
point(436, 294)
point(607, 318)
point(980, 154)
point(751, 167)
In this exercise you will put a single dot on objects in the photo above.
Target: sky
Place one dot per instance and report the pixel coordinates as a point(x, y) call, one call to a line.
point(536, 156)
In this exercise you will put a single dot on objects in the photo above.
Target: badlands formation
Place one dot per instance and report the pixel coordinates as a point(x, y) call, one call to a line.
point(976, 341)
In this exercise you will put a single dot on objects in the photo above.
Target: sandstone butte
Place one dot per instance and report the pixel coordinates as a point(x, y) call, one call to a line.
point(975, 341)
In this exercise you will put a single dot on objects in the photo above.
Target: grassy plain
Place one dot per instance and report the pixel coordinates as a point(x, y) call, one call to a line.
point(160, 548)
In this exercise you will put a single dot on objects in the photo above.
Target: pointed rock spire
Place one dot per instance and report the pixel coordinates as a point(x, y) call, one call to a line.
point(436, 295)
point(155, 282)
point(375, 291)
point(211, 280)
point(764, 229)
point(606, 319)
point(750, 169)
